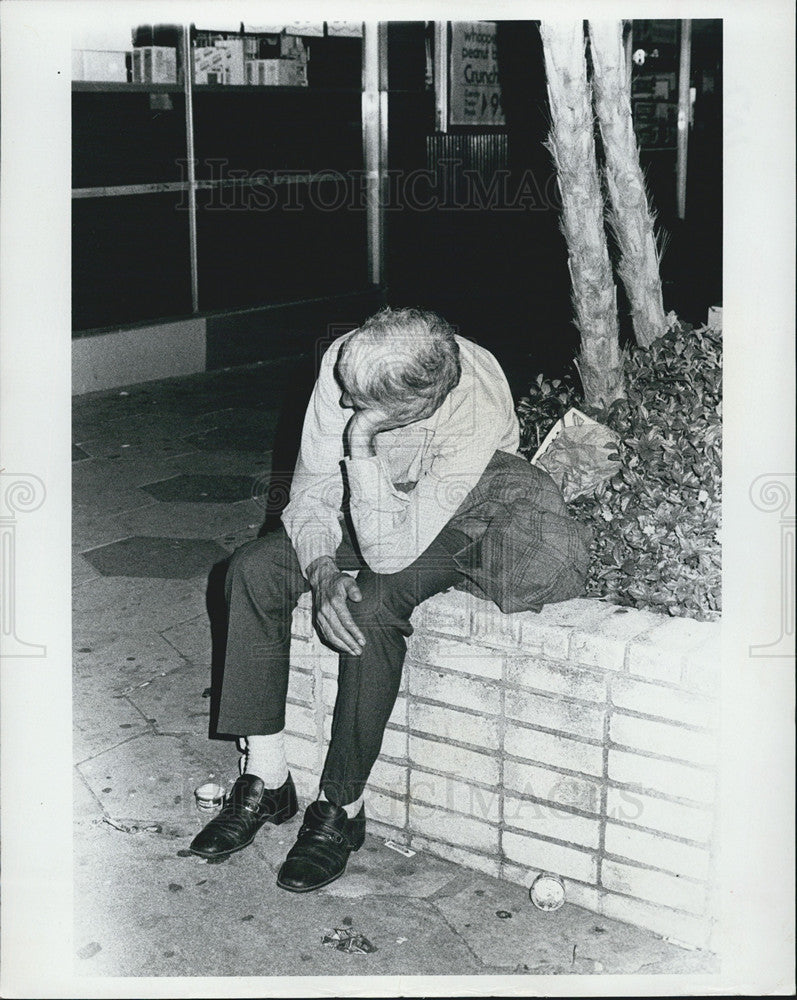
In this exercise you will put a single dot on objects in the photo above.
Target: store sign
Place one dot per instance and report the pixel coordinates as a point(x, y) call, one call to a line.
point(475, 90)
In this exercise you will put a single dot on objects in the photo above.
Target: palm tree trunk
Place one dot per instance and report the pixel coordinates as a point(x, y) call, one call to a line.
point(630, 215)
point(572, 145)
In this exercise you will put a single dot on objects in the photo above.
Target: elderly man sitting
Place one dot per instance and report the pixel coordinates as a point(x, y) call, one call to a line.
point(408, 472)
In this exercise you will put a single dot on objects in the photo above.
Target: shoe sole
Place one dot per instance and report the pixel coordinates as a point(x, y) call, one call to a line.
point(310, 888)
point(320, 885)
point(276, 820)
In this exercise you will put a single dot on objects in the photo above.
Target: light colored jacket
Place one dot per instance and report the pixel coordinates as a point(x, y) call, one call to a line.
point(402, 497)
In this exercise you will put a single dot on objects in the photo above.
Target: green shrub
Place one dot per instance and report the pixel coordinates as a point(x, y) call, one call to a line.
point(656, 522)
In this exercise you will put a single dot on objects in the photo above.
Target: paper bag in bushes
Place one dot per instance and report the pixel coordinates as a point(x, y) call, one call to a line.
point(578, 453)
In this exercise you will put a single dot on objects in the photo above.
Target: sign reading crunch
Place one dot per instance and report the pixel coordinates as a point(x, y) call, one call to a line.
point(475, 90)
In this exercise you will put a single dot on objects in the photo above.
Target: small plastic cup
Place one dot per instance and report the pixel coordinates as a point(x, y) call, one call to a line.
point(547, 892)
point(209, 796)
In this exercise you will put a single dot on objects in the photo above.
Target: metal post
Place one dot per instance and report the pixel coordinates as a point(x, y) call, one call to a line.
point(441, 75)
point(629, 50)
point(374, 125)
point(188, 89)
point(684, 73)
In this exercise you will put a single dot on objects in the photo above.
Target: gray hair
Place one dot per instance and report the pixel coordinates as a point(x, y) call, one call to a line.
point(400, 357)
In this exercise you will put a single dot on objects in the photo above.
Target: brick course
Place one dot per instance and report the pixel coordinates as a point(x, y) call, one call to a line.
point(439, 790)
point(668, 703)
point(550, 748)
point(534, 817)
point(680, 781)
point(544, 855)
point(454, 760)
point(554, 677)
point(654, 886)
point(660, 814)
point(569, 717)
point(531, 780)
point(463, 692)
point(659, 852)
point(453, 725)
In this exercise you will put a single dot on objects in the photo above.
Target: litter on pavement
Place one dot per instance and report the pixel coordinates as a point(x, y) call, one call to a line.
point(400, 848)
point(348, 940)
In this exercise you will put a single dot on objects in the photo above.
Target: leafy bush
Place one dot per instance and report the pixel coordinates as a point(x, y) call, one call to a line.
point(546, 402)
point(656, 522)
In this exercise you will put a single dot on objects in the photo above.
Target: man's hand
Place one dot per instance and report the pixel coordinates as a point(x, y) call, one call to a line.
point(362, 428)
point(367, 423)
point(331, 591)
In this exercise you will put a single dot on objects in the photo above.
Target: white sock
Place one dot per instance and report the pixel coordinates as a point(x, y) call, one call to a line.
point(265, 757)
point(352, 808)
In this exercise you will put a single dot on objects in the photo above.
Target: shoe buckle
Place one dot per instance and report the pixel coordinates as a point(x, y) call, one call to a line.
point(323, 831)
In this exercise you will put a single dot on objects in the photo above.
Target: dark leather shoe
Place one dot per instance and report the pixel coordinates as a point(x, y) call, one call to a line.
point(249, 805)
point(326, 838)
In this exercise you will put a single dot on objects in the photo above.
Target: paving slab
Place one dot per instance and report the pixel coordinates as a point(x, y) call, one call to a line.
point(82, 570)
point(151, 779)
point(110, 444)
point(116, 664)
point(123, 604)
point(120, 720)
point(92, 527)
point(192, 639)
point(189, 520)
point(94, 410)
point(131, 468)
point(378, 870)
point(85, 499)
point(85, 804)
point(225, 463)
point(202, 489)
point(237, 430)
point(257, 396)
point(149, 422)
point(253, 381)
point(176, 702)
point(200, 400)
point(154, 556)
point(501, 925)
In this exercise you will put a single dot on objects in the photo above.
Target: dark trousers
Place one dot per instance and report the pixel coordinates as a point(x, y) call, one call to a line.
point(263, 584)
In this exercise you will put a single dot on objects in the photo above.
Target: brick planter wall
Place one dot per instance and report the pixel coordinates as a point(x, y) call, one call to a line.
point(581, 740)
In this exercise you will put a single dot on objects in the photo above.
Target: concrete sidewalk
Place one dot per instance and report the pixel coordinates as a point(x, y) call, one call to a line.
point(168, 479)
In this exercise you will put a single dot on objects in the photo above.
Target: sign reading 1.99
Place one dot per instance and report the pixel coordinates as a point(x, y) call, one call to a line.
point(475, 90)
